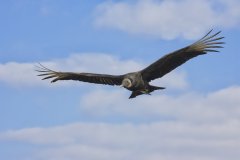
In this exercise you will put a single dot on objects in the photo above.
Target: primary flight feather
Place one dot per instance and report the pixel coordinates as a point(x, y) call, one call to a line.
point(138, 82)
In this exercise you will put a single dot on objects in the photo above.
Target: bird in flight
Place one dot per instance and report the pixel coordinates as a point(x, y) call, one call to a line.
point(138, 82)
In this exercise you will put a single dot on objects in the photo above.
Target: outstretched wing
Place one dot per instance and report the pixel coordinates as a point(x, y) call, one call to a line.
point(169, 62)
point(85, 77)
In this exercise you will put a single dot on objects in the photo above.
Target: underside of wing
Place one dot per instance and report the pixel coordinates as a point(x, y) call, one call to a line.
point(209, 43)
point(84, 77)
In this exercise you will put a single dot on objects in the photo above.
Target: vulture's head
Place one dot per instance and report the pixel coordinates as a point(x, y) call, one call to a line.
point(126, 83)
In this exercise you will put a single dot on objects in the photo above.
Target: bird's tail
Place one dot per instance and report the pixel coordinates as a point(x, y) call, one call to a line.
point(153, 88)
point(150, 89)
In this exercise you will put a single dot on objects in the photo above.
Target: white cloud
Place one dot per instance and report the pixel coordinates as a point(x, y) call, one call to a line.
point(172, 81)
point(24, 74)
point(18, 74)
point(159, 140)
point(169, 19)
point(212, 107)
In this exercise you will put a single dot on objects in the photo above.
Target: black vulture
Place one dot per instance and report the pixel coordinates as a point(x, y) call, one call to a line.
point(138, 82)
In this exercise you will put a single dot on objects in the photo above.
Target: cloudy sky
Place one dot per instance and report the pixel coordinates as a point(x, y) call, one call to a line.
point(196, 117)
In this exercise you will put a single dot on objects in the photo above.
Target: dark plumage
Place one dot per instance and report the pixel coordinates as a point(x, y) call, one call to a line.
point(138, 82)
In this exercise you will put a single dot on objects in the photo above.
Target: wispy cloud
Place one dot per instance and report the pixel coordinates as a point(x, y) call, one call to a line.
point(18, 74)
point(159, 140)
point(189, 106)
point(169, 19)
point(24, 74)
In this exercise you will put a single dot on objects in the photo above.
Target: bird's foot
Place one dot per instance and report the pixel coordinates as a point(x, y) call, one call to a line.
point(145, 91)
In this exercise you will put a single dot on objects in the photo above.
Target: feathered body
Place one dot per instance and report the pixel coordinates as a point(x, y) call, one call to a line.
point(138, 85)
point(138, 82)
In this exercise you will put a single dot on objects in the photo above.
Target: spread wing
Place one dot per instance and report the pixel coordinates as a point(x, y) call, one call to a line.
point(84, 77)
point(209, 43)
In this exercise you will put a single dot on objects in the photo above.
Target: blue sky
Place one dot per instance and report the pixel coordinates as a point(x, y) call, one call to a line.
point(198, 112)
